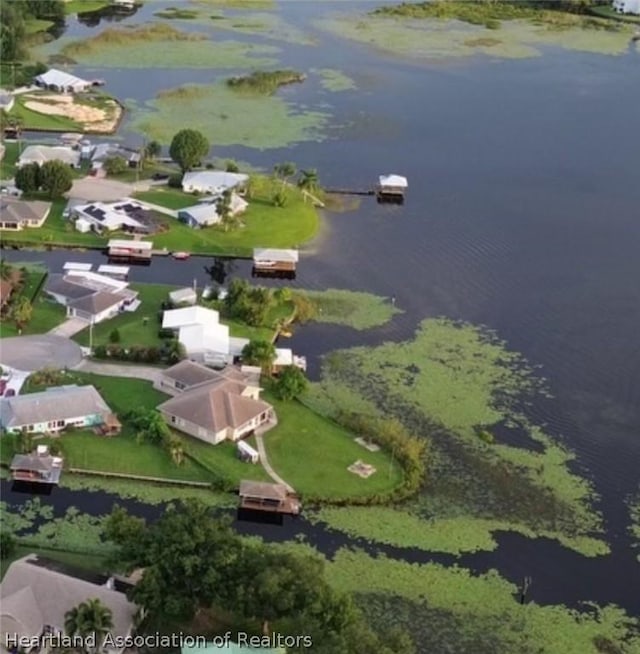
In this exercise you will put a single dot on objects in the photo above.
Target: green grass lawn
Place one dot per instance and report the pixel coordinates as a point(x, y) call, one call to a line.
point(35, 25)
point(82, 6)
point(222, 459)
point(264, 225)
point(46, 314)
point(131, 326)
point(313, 453)
point(8, 163)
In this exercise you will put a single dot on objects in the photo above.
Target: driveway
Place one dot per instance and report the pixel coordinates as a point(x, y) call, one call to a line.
point(149, 373)
point(93, 189)
point(41, 351)
point(69, 327)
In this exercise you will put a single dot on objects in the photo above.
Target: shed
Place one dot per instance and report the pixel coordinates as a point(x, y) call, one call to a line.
point(247, 453)
point(83, 225)
point(186, 295)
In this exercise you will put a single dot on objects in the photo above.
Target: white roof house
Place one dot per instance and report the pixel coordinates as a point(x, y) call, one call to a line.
point(627, 6)
point(205, 339)
point(186, 295)
point(176, 318)
point(206, 212)
point(42, 153)
point(110, 216)
point(59, 80)
point(212, 181)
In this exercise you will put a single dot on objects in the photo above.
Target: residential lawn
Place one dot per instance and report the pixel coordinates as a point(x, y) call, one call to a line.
point(35, 25)
point(149, 169)
point(312, 454)
point(84, 561)
point(56, 230)
point(131, 326)
point(264, 225)
point(223, 460)
point(8, 163)
point(46, 314)
point(82, 6)
point(120, 393)
point(242, 330)
point(123, 454)
point(171, 198)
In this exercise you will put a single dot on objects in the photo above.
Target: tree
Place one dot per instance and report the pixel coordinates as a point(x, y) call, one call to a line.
point(150, 426)
point(115, 165)
point(90, 618)
point(223, 207)
point(308, 180)
point(114, 335)
point(189, 559)
point(6, 270)
point(279, 198)
point(175, 449)
point(27, 178)
point(259, 353)
point(231, 166)
point(284, 171)
point(291, 383)
point(152, 150)
point(7, 544)
point(188, 148)
point(21, 312)
point(56, 178)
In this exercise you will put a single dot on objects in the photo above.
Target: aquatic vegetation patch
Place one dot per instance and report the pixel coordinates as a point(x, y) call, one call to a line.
point(159, 45)
point(334, 80)
point(18, 519)
point(264, 81)
point(433, 39)
point(459, 608)
point(177, 13)
point(444, 385)
point(634, 526)
point(352, 308)
point(146, 492)
point(228, 118)
point(267, 25)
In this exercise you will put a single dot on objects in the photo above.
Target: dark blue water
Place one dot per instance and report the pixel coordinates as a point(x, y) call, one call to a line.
point(523, 214)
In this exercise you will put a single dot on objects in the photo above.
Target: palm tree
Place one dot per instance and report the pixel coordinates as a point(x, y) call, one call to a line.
point(90, 618)
point(174, 446)
point(308, 180)
point(259, 353)
point(284, 171)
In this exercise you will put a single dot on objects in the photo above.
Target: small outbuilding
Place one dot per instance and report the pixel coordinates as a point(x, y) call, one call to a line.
point(274, 262)
point(246, 453)
point(186, 295)
point(391, 188)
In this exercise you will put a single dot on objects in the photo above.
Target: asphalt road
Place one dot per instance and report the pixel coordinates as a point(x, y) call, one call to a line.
point(41, 351)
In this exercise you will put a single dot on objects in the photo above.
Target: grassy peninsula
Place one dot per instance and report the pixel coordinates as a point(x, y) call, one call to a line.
point(489, 468)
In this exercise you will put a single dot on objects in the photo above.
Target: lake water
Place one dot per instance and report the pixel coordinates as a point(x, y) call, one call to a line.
point(523, 214)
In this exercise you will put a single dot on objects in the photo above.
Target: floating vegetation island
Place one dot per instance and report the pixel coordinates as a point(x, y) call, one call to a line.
point(265, 82)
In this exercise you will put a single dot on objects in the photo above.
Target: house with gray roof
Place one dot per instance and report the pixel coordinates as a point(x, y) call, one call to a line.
point(17, 214)
point(54, 409)
point(90, 296)
point(40, 154)
point(35, 596)
point(213, 406)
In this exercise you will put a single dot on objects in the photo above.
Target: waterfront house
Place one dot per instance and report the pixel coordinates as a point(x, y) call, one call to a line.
point(16, 214)
point(200, 332)
point(39, 467)
point(214, 182)
point(53, 409)
point(225, 407)
point(36, 594)
point(206, 213)
point(40, 154)
point(183, 376)
point(90, 296)
point(627, 6)
point(125, 215)
point(62, 82)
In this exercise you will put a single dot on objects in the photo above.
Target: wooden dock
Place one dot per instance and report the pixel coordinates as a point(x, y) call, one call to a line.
point(346, 191)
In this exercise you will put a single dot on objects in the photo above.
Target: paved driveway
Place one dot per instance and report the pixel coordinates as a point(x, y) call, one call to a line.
point(69, 327)
point(95, 189)
point(41, 351)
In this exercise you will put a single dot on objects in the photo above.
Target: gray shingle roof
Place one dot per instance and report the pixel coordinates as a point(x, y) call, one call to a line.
point(52, 404)
point(97, 302)
point(34, 596)
point(58, 285)
point(20, 211)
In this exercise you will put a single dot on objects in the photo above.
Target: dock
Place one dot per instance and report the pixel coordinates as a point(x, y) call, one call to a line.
point(129, 251)
point(272, 498)
point(346, 191)
point(272, 262)
point(39, 467)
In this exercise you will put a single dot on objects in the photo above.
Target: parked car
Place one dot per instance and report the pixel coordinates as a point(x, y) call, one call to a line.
point(159, 176)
